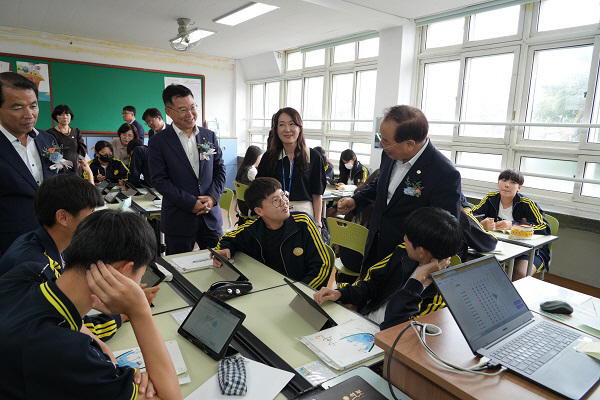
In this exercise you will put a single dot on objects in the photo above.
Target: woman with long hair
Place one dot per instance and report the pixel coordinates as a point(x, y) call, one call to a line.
point(298, 168)
point(247, 171)
point(351, 170)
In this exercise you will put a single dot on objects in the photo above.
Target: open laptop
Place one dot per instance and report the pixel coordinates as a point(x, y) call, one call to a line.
point(227, 270)
point(497, 324)
point(309, 309)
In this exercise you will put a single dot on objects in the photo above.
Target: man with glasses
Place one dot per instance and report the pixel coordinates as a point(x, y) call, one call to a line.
point(129, 117)
point(413, 174)
point(186, 167)
point(288, 243)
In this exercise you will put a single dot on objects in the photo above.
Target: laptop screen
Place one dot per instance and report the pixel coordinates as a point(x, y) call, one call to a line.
point(481, 298)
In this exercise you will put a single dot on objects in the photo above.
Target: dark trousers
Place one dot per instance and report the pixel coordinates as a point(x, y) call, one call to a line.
point(182, 244)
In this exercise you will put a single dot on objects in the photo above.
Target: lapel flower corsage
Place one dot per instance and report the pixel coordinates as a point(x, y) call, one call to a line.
point(413, 188)
point(206, 149)
point(54, 154)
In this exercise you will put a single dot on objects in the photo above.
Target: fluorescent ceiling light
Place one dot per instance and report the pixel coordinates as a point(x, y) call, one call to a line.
point(249, 11)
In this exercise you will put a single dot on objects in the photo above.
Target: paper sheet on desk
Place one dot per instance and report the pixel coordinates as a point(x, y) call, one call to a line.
point(263, 382)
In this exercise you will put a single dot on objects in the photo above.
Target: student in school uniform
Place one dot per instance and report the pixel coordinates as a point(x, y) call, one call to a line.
point(129, 117)
point(154, 119)
point(44, 353)
point(105, 166)
point(139, 169)
point(400, 287)
point(351, 170)
point(507, 206)
point(125, 134)
point(287, 242)
point(246, 174)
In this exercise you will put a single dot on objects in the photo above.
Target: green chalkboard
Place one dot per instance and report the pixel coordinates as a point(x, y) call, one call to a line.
point(97, 93)
point(44, 118)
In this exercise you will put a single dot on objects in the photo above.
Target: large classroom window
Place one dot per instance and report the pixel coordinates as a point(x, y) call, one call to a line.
point(334, 91)
point(481, 76)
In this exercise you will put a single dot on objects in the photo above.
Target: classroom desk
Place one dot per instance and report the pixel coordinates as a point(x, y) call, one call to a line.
point(509, 253)
point(534, 243)
point(416, 374)
point(261, 276)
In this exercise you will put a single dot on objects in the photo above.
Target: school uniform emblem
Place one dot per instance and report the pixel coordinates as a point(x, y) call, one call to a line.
point(298, 251)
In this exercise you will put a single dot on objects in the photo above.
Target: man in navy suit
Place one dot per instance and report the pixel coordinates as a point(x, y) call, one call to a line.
point(187, 168)
point(413, 174)
point(129, 117)
point(22, 162)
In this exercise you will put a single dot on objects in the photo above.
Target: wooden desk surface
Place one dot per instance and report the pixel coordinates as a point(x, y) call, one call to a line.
point(416, 374)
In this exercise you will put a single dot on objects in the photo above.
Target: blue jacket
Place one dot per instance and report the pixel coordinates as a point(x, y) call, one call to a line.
point(140, 130)
point(17, 189)
point(440, 183)
point(172, 175)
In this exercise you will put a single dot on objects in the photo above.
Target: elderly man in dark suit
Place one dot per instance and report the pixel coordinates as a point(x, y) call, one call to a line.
point(413, 174)
point(187, 168)
point(22, 163)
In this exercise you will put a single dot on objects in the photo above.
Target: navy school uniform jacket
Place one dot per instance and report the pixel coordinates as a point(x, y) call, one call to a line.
point(329, 172)
point(115, 170)
point(524, 210)
point(17, 189)
point(139, 166)
point(358, 175)
point(389, 279)
point(139, 128)
point(38, 247)
point(440, 183)
point(305, 257)
point(475, 236)
point(172, 175)
point(44, 356)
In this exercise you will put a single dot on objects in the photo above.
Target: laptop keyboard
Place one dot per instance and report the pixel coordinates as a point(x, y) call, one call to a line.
point(535, 347)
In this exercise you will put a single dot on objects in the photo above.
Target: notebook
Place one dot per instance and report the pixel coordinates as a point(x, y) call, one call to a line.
point(496, 323)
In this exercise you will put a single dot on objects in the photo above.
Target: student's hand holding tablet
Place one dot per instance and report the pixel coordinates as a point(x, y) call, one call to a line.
point(225, 253)
point(424, 272)
point(325, 294)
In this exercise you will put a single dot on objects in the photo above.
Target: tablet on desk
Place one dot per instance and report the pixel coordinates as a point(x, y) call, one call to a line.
point(314, 313)
point(153, 276)
point(227, 270)
point(110, 197)
point(211, 325)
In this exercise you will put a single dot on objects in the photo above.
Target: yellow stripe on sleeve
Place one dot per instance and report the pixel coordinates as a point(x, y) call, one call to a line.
point(314, 233)
point(56, 303)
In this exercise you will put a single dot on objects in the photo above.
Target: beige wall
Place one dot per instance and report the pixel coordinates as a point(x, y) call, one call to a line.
point(576, 256)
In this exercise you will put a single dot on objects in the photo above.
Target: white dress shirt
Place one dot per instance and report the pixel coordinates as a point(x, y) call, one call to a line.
point(399, 171)
point(190, 146)
point(29, 154)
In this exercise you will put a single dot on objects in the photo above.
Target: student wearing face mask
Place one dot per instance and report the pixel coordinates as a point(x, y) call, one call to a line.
point(105, 167)
point(352, 172)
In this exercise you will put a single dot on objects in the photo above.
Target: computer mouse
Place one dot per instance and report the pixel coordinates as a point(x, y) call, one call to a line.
point(556, 307)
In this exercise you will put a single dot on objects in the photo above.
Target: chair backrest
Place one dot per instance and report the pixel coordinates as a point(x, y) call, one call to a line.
point(240, 189)
point(553, 222)
point(226, 200)
point(348, 234)
point(331, 254)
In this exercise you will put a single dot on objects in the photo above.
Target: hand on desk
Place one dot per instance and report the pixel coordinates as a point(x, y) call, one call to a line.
point(488, 224)
point(118, 292)
point(225, 253)
point(325, 294)
point(345, 205)
point(424, 272)
point(503, 225)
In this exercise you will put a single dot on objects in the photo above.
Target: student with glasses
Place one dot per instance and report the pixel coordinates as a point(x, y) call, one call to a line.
point(287, 242)
point(186, 167)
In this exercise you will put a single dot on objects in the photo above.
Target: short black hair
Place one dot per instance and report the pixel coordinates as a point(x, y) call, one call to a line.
point(133, 144)
point(435, 230)
point(152, 113)
point(60, 110)
point(111, 236)
point(260, 189)
point(130, 109)
point(412, 123)
point(68, 192)
point(100, 144)
point(512, 175)
point(174, 91)
point(126, 127)
point(15, 81)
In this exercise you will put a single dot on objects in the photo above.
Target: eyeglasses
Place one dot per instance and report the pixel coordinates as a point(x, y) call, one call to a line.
point(280, 200)
point(127, 135)
point(182, 110)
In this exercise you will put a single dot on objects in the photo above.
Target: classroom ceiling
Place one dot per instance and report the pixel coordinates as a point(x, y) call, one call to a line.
point(152, 23)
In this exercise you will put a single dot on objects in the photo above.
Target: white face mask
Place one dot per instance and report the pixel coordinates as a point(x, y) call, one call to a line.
point(349, 165)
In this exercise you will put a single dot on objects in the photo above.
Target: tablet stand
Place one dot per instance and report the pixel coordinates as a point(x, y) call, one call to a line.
point(230, 352)
point(310, 315)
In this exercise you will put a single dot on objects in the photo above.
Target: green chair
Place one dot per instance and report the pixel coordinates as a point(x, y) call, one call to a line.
point(225, 203)
point(349, 235)
point(553, 222)
point(455, 260)
point(240, 190)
